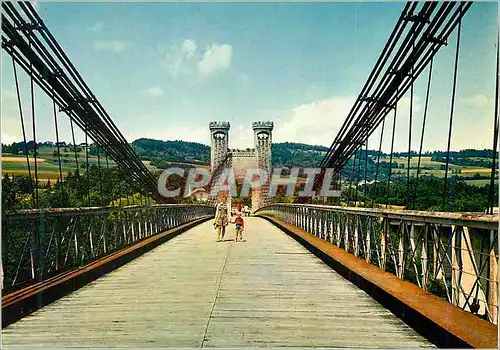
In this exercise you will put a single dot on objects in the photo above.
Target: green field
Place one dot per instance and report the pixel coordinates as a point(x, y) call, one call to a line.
point(47, 163)
point(479, 182)
point(436, 168)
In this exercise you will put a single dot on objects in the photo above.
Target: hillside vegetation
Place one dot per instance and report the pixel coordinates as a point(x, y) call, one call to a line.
point(469, 165)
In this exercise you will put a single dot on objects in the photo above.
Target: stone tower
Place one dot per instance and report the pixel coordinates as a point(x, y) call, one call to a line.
point(263, 141)
point(219, 142)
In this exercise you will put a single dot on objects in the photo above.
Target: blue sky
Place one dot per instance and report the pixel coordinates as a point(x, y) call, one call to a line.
point(164, 70)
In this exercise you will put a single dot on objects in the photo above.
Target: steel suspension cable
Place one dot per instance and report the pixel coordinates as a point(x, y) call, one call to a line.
point(33, 121)
point(24, 133)
point(394, 37)
point(378, 159)
point(109, 178)
point(87, 167)
point(425, 11)
point(491, 194)
point(57, 140)
point(390, 159)
point(423, 131)
point(102, 130)
point(74, 148)
point(365, 192)
point(426, 47)
point(352, 179)
point(408, 196)
point(100, 173)
point(357, 177)
point(452, 110)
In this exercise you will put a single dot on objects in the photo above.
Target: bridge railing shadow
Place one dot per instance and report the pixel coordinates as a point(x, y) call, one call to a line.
point(40, 244)
point(452, 255)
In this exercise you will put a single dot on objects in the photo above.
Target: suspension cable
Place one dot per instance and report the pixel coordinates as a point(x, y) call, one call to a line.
point(378, 159)
point(32, 190)
point(99, 168)
point(390, 159)
point(109, 177)
point(491, 191)
point(87, 166)
point(74, 148)
point(408, 196)
point(423, 131)
point(455, 71)
point(32, 93)
point(352, 179)
point(357, 176)
point(57, 141)
point(393, 86)
point(365, 192)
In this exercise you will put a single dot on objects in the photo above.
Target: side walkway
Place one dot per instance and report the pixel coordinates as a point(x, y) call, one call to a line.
point(268, 291)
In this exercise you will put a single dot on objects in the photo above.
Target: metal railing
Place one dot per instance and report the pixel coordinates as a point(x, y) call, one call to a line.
point(453, 255)
point(39, 244)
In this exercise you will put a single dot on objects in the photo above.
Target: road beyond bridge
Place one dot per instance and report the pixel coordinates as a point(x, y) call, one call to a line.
point(268, 291)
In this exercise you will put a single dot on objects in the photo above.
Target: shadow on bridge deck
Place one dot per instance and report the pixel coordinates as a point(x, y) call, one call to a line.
point(193, 292)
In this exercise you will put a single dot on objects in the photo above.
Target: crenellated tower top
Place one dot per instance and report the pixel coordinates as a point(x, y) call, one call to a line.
point(219, 125)
point(263, 125)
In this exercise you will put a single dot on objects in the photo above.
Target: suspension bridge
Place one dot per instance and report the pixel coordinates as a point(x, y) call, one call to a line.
point(145, 271)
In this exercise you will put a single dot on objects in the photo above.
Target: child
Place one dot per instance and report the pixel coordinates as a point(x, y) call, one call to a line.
point(240, 225)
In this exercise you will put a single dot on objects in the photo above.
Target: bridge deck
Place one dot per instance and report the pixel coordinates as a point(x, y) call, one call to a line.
point(193, 292)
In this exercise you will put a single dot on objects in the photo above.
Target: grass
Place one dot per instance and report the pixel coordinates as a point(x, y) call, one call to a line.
point(424, 161)
point(479, 182)
point(47, 163)
point(427, 162)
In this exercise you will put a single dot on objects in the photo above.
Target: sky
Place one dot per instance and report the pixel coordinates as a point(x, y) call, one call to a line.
point(165, 70)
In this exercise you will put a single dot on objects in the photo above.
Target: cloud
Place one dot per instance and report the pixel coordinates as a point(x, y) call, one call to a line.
point(189, 48)
point(11, 125)
point(315, 123)
point(96, 27)
point(116, 46)
point(176, 59)
point(478, 101)
point(155, 91)
point(217, 59)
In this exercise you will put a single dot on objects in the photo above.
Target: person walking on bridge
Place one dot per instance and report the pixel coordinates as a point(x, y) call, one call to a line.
point(221, 219)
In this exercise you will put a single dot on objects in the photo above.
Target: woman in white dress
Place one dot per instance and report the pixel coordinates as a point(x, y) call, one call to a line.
point(221, 219)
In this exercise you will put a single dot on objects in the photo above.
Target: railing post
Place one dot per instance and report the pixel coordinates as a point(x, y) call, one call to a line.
point(424, 259)
point(401, 251)
point(437, 266)
point(346, 234)
point(328, 223)
point(368, 233)
point(383, 243)
point(91, 234)
point(493, 277)
point(57, 244)
point(115, 229)
point(356, 235)
point(456, 247)
point(77, 248)
point(104, 232)
point(36, 253)
point(338, 231)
